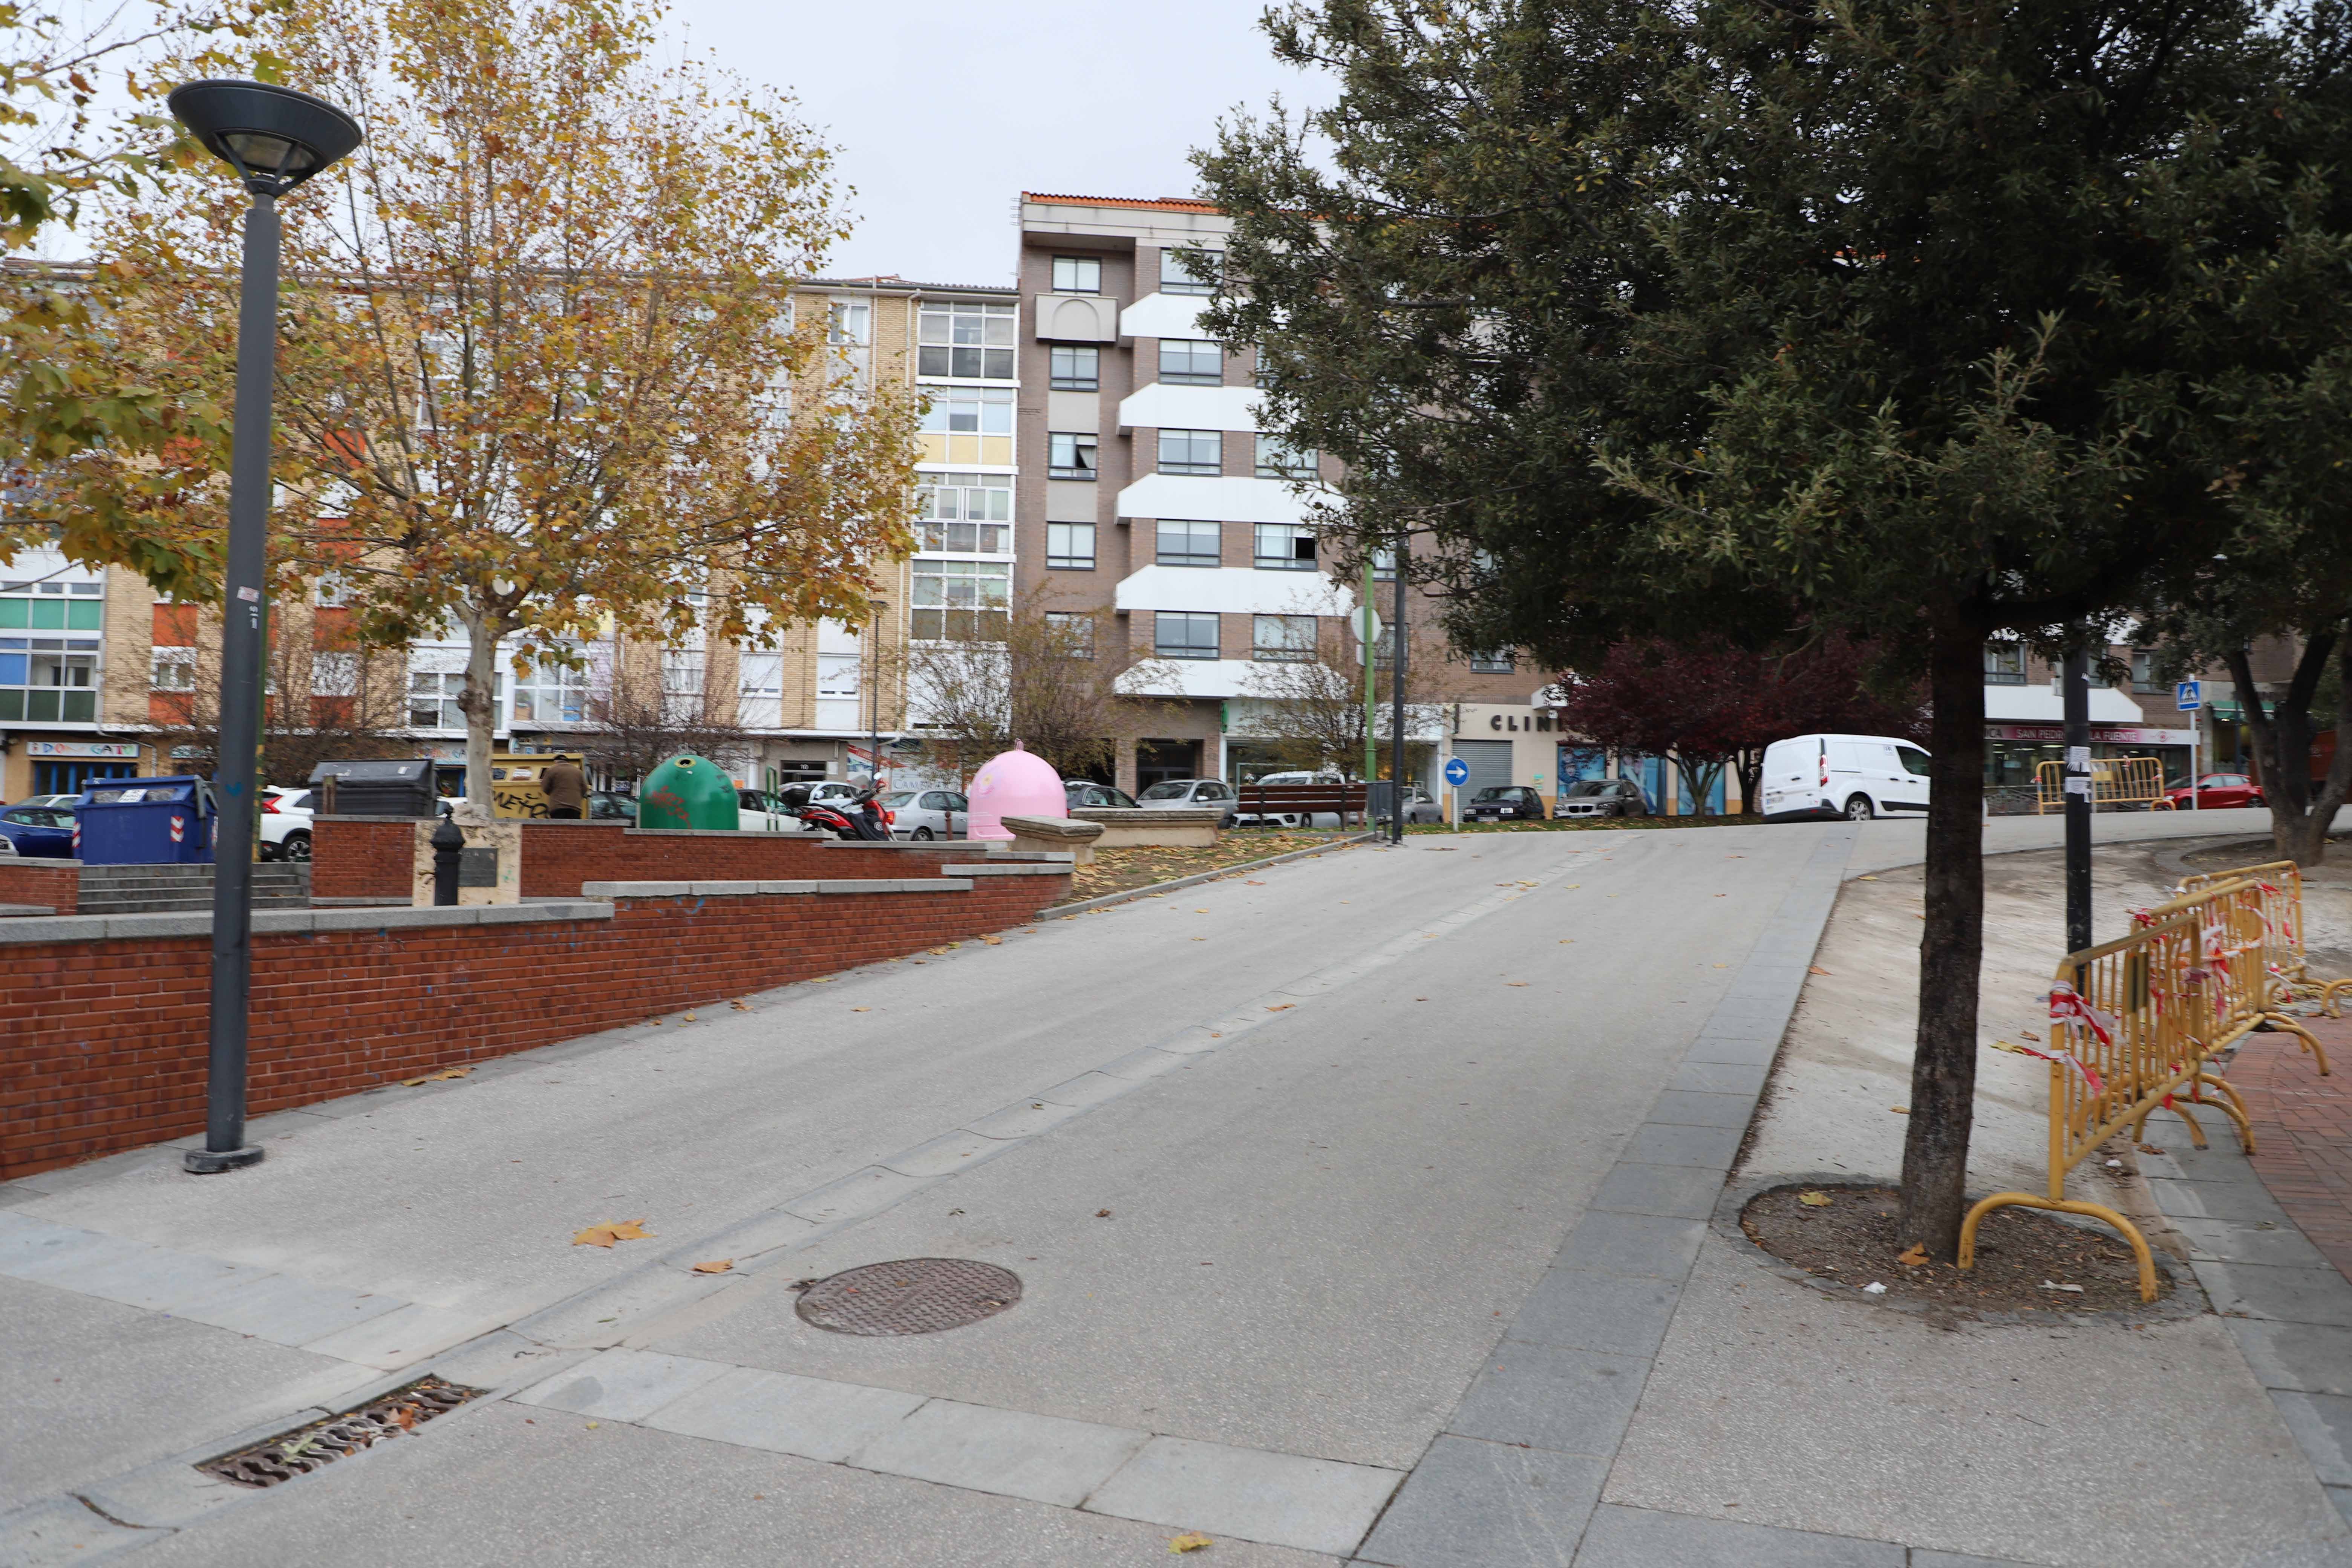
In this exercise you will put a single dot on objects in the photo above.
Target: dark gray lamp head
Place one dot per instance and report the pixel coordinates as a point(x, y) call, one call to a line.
point(274, 137)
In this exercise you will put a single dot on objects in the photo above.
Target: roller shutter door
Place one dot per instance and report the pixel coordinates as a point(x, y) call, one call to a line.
point(1490, 763)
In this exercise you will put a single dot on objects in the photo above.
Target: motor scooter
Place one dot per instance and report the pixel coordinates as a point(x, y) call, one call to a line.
point(861, 819)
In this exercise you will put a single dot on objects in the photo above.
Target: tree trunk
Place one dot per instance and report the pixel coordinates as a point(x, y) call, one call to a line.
point(1750, 766)
point(1952, 948)
point(2299, 823)
point(478, 704)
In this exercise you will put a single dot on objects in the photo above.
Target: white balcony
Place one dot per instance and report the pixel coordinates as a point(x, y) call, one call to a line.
point(1165, 406)
point(1221, 499)
point(1164, 316)
point(1231, 591)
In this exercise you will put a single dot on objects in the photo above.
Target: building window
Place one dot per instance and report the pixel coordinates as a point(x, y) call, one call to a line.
point(1285, 547)
point(1199, 452)
point(1180, 634)
point(334, 675)
point(172, 669)
point(850, 325)
point(1070, 455)
point(968, 513)
point(1184, 543)
point(1077, 275)
point(969, 425)
point(551, 694)
point(759, 690)
point(2004, 664)
point(1199, 276)
point(2143, 674)
point(1070, 546)
point(965, 337)
point(1384, 563)
point(1499, 662)
point(1073, 632)
point(1283, 639)
point(837, 675)
point(49, 679)
point(1191, 361)
point(1276, 459)
point(433, 698)
point(961, 598)
point(1077, 369)
point(332, 591)
point(51, 615)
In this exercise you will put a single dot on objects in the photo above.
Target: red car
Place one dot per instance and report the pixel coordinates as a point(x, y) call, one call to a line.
point(2218, 791)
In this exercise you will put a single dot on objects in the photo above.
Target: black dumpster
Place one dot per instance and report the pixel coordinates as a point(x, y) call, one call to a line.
point(400, 786)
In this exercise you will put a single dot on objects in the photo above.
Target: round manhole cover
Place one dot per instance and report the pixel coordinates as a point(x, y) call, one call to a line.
point(912, 1296)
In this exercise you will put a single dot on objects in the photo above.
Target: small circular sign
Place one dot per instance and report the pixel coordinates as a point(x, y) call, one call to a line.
point(1457, 771)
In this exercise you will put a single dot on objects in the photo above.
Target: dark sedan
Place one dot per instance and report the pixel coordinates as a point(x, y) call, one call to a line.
point(1504, 803)
point(40, 830)
point(1603, 797)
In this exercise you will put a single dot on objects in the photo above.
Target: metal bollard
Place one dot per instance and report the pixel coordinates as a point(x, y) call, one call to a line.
point(448, 853)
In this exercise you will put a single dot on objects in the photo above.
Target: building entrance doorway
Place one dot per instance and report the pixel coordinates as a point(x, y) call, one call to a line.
point(72, 778)
point(1159, 761)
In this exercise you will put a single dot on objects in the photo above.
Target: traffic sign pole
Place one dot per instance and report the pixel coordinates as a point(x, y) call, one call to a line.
point(2189, 696)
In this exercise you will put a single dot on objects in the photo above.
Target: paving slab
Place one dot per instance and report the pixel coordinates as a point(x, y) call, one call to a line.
point(1584, 1309)
point(1569, 1401)
point(1283, 1499)
point(1651, 1245)
point(1473, 1504)
point(622, 1384)
point(786, 1414)
point(1044, 1459)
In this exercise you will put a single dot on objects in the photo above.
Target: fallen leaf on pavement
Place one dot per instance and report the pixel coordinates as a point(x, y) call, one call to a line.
point(1515, 982)
point(1723, 966)
point(612, 1230)
point(1900, 1110)
point(1914, 1255)
point(436, 1076)
point(716, 1266)
point(1190, 1541)
point(690, 1019)
point(404, 1418)
point(1816, 968)
point(1565, 941)
point(823, 980)
point(1102, 1214)
point(1253, 884)
point(1282, 1007)
point(1200, 911)
point(993, 940)
point(939, 952)
point(2148, 1149)
point(740, 1006)
point(2028, 1034)
point(1866, 879)
point(1815, 1200)
point(861, 1009)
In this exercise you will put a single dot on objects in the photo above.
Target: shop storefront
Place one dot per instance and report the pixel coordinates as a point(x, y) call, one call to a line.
point(66, 767)
point(2012, 751)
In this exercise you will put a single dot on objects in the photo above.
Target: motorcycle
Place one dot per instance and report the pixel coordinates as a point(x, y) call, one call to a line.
point(861, 819)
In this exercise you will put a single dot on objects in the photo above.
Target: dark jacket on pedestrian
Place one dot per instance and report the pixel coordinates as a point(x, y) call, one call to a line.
point(563, 783)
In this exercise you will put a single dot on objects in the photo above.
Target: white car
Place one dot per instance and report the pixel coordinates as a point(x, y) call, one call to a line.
point(286, 823)
point(1854, 776)
point(756, 811)
point(923, 814)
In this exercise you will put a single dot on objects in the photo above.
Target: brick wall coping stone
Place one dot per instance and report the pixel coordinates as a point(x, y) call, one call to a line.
point(1061, 869)
point(13, 912)
point(748, 890)
point(297, 923)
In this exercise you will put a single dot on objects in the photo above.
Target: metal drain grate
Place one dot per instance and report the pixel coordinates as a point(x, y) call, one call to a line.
point(912, 1296)
point(306, 1448)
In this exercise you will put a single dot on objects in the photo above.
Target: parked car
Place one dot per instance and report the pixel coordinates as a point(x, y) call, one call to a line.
point(1194, 792)
point(1853, 776)
point(2219, 792)
point(1504, 803)
point(1419, 808)
point(610, 805)
point(286, 817)
point(756, 811)
point(923, 814)
point(1086, 792)
point(32, 827)
point(1603, 797)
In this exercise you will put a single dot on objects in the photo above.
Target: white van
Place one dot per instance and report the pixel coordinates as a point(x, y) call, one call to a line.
point(1855, 776)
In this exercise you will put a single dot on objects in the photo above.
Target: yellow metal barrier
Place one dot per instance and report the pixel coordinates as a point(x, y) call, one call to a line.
point(2114, 781)
point(2135, 1022)
point(2282, 883)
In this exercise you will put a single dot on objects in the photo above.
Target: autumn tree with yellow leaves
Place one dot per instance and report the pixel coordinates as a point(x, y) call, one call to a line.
point(539, 376)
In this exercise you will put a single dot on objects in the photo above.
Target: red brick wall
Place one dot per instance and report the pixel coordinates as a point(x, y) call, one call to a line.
point(364, 857)
point(102, 1044)
point(37, 880)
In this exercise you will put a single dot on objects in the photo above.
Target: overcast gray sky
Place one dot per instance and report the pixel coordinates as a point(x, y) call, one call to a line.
point(943, 114)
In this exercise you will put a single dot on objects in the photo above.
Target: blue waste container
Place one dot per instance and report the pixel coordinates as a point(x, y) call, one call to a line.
point(145, 822)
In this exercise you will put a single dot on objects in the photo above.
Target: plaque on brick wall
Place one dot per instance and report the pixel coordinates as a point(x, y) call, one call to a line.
point(478, 867)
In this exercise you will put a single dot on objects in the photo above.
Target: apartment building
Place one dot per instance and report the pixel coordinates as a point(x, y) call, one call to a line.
point(1146, 491)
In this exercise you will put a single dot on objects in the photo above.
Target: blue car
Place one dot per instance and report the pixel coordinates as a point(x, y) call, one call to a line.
point(37, 826)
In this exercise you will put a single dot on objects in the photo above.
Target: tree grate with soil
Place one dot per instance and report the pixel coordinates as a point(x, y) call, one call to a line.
point(2025, 1258)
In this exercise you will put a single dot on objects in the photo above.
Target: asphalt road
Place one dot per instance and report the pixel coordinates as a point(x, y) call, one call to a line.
point(1353, 1106)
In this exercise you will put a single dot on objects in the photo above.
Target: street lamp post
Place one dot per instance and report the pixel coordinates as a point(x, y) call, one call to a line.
point(274, 138)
